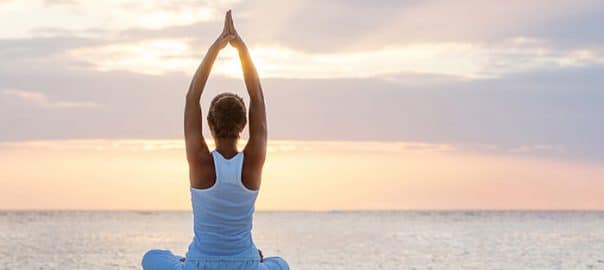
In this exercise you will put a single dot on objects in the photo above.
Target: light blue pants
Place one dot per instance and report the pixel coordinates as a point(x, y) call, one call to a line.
point(165, 260)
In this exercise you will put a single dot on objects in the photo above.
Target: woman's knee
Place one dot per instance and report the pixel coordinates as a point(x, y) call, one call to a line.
point(276, 263)
point(150, 259)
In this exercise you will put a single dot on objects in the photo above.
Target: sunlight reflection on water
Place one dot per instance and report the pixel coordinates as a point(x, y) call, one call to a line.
point(317, 240)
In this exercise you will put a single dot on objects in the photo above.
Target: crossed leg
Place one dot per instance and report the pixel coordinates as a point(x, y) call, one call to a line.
point(157, 259)
point(273, 263)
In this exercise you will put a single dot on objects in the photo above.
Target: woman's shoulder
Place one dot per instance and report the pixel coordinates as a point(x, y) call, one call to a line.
point(202, 174)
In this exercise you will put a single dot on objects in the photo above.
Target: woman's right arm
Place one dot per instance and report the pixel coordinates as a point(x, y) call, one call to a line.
point(194, 141)
point(197, 150)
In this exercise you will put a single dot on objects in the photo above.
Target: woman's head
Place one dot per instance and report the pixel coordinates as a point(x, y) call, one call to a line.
point(226, 117)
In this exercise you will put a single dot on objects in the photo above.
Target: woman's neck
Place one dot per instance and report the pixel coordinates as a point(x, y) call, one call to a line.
point(226, 147)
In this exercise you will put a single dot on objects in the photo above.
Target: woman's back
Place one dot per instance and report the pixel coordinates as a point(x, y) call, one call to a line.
point(223, 213)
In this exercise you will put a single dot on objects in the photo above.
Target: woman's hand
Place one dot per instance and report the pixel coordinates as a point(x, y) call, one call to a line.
point(227, 35)
point(236, 41)
point(222, 41)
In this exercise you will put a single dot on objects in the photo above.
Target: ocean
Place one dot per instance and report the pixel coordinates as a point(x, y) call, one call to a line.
point(316, 240)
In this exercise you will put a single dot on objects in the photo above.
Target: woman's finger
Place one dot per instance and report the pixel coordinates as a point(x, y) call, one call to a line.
point(226, 21)
point(231, 24)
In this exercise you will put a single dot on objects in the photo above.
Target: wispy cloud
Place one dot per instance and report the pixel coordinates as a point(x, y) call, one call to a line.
point(556, 148)
point(111, 16)
point(39, 99)
point(392, 37)
point(286, 146)
point(464, 60)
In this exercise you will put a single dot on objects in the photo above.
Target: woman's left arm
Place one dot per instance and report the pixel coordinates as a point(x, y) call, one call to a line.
point(258, 131)
point(258, 134)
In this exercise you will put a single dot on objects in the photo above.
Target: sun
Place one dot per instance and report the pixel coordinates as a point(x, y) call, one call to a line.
point(228, 63)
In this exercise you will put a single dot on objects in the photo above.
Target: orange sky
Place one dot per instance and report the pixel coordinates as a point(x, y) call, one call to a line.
point(113, 174)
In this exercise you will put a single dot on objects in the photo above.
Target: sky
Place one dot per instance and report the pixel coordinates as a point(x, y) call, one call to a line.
point(402, 104)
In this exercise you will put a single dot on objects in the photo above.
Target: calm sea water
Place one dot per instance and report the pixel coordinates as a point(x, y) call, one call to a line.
point(313, 241)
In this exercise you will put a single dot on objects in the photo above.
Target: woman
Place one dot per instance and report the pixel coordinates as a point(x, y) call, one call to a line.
point(224, 182)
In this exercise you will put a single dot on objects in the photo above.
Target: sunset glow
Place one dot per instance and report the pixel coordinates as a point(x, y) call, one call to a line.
point(370, 104)
point(139, 174)
point(464, 60)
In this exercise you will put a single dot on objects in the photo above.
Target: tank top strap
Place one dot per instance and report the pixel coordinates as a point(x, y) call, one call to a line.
point(228, 170)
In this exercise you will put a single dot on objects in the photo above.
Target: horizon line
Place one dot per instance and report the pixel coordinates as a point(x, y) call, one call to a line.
point(322, 211)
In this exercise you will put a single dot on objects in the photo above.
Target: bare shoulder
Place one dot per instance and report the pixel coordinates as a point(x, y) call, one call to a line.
point(201, 171)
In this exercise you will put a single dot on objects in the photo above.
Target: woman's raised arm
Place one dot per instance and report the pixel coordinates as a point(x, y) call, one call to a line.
point(196, 147)
point(256, 146)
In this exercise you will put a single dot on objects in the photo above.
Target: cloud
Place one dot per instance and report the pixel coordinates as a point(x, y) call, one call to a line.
point(554, 107)
point(538, 148)
point(112, 16)
point(513, 75)
point(41, 48)
point(391, 37)
point(465, 60)
point(361, 25)
point(147, 57)
point(60, 2)
point(333, 26)
point(285, 146)
point(39, 99)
